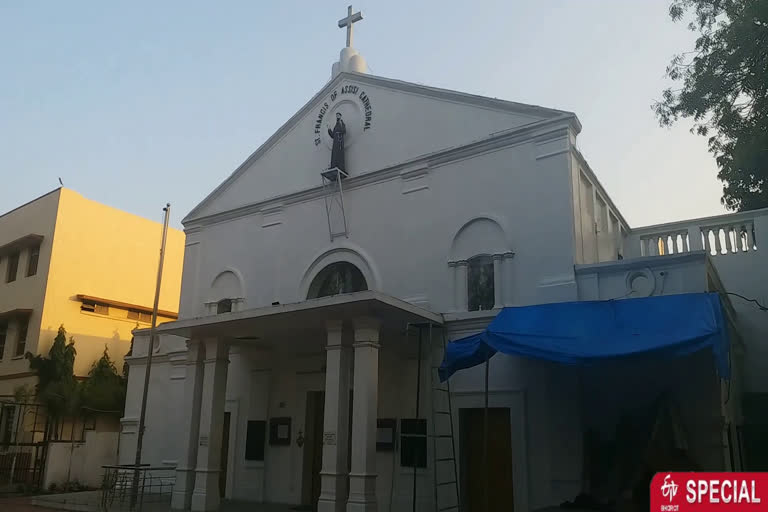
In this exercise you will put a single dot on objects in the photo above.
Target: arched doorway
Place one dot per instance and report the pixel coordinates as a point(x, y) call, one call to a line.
point(337, 278)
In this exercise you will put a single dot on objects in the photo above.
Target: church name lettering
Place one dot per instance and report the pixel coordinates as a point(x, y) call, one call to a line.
point(346, 91)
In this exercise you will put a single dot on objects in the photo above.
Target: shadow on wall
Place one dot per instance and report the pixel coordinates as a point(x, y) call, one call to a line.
point(90, 348)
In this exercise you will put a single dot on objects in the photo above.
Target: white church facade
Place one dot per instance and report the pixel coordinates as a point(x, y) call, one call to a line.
point(294, 375)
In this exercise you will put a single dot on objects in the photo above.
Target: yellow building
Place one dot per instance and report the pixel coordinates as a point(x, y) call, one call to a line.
point(67, 260)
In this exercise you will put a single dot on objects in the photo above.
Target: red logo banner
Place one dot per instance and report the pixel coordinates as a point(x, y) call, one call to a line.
point(704, 492)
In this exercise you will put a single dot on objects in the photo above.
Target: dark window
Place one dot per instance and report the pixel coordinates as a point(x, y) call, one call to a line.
point(93, 307)
point(13, 267)
point(21, 342)
point(480, 284)
point(3, 335)
point(755, 431)
point(224, 306)
point(254, 440)
point(413, 443)
point(34, 257)
point(140, 316)
point(335, 279)
point(7, 420)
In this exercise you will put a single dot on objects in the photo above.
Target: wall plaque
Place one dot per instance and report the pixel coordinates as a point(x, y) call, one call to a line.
point(329, 438)
point(280, 431)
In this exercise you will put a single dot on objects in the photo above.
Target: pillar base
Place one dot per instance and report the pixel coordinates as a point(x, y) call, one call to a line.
point(181, 499)
point(205, 497)
point(333, 492)
point(362, 493)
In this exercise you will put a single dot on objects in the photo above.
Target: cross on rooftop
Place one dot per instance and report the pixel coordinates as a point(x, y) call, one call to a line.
point(348, 21)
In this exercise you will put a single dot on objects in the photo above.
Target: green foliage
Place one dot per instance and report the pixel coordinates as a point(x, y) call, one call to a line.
point(65, 396)
point(104, 390)
point(58, 365)
point(724, 90)
point(56, 387)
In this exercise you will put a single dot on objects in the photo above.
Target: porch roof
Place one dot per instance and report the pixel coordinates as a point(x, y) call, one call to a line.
point(308, 315)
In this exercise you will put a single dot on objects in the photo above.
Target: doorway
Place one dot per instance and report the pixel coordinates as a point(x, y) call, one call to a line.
point(313, 448)
point(498, 469)
point(224, 455)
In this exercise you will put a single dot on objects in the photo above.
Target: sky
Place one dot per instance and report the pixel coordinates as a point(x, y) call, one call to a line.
point(135, 104)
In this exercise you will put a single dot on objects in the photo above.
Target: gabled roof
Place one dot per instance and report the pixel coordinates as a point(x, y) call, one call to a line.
point(398, 85)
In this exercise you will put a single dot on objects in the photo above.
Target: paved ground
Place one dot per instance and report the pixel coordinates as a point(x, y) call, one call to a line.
point(85, 502)
point(20, 505)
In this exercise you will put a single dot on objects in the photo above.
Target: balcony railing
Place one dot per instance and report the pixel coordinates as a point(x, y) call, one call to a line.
point(722, 235)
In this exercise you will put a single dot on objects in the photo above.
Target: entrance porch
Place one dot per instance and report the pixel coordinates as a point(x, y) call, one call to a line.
point(281, 404)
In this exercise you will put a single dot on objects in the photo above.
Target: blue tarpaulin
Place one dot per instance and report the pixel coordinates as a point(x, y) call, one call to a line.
point(582, 333)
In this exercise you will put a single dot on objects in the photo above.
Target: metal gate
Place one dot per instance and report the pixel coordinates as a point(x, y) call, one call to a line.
point(23, 445)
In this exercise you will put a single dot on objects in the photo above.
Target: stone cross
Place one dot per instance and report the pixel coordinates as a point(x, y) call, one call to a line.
point(348, 21)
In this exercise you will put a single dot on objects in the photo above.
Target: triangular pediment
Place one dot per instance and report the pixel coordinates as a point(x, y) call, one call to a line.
point(388, 122)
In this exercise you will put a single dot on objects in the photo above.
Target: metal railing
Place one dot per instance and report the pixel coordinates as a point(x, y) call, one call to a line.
point(153, 489)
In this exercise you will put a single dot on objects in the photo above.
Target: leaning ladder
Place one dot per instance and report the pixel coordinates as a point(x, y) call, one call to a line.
point(446, 477)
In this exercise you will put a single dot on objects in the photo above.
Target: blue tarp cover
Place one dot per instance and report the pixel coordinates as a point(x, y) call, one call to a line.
point(581, 333)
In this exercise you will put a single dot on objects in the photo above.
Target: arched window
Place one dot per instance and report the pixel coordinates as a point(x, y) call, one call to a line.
point(480, 284)
point(481, 262)
point(224, 306)
point(226, 293)
point(337, 278)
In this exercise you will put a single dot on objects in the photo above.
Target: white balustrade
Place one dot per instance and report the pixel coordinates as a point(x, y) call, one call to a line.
point(670, 242)
point(729, 238)
point(720, 236)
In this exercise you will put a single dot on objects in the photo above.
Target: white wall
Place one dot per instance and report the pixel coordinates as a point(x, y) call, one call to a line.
point(81, 462)
point(162, 444)
point(643, 277)
point(747, 275)
point(600, 230)
point(385, 219)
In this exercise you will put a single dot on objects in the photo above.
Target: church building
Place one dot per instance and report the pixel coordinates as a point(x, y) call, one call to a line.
point(322, 279)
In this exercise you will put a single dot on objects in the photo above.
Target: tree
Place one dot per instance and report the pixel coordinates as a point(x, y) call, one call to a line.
point(57, 389)
point(104, 390)
point(59, 364)
point(725, 92)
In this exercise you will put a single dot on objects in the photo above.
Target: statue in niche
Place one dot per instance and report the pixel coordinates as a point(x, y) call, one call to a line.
point(337, 151)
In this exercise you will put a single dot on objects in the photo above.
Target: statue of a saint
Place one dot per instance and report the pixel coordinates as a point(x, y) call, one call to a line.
point(337, 151)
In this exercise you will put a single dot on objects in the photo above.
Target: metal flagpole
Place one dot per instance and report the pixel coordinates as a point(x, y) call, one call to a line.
point(485, 434)
point(150, 350)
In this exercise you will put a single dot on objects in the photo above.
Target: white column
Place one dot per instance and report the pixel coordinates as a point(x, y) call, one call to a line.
point(509, 279)
point(333, 477)
point(462, 300)
point(206, 494)
point(498, 281)
point(193, 387)
point(454, 289)
point(362, 477)
point(695, 242)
